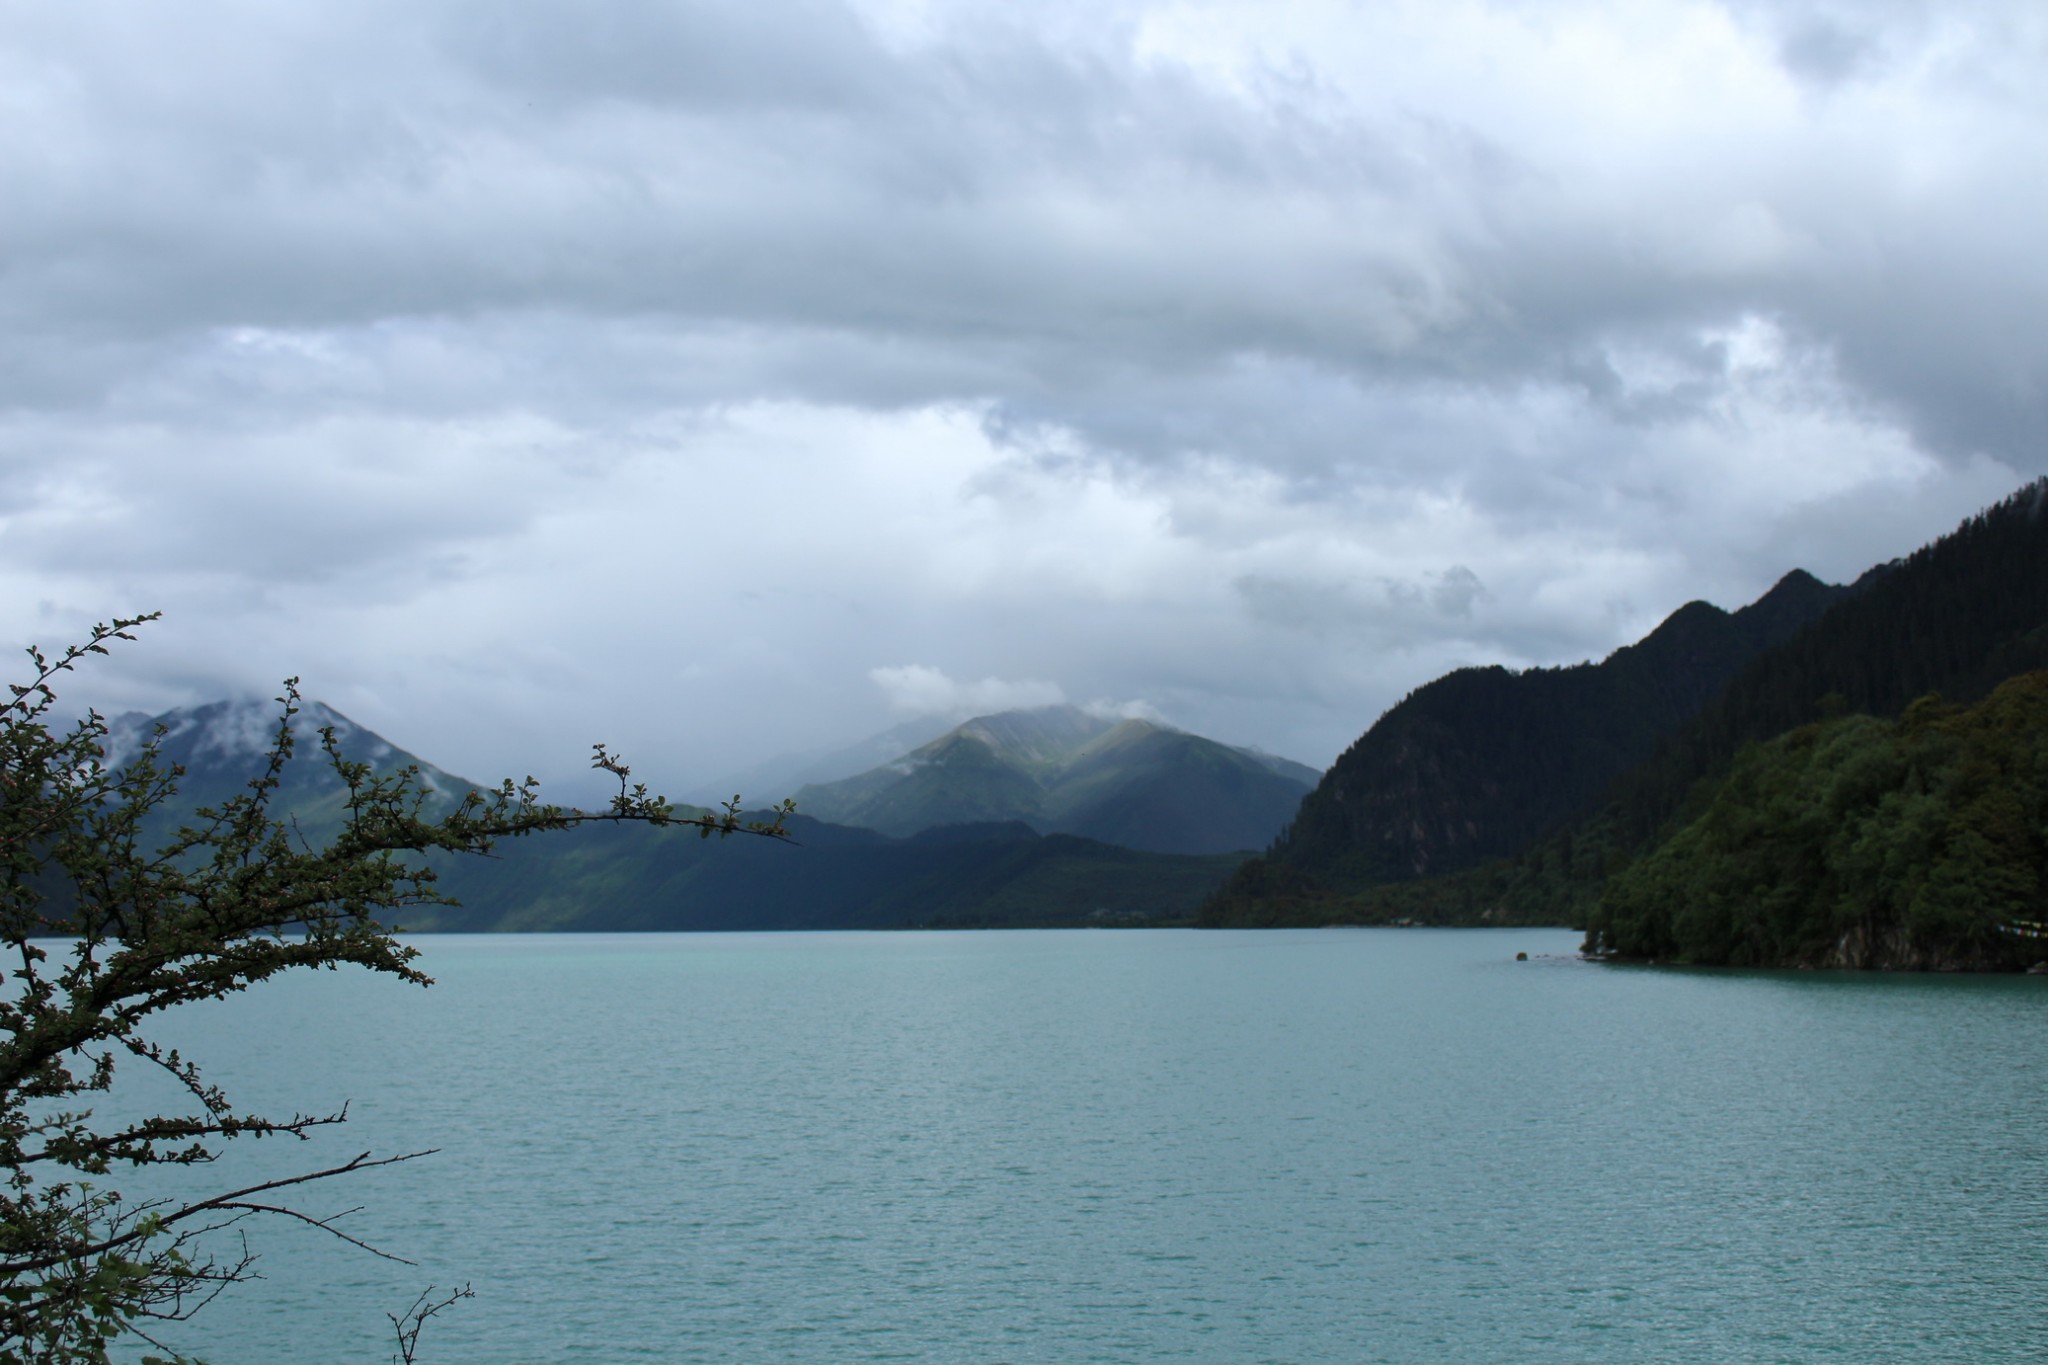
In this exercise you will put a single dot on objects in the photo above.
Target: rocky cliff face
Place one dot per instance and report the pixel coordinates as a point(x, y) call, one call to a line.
point(1892, 948)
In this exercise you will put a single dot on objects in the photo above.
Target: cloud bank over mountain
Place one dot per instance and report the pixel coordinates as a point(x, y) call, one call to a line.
point(689, 376)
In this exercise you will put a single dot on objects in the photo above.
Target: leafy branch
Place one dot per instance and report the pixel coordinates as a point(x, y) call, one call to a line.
point(104, 928)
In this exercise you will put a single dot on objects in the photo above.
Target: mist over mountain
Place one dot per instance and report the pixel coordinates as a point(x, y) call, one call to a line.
point(1067, 770)
point(773, 779)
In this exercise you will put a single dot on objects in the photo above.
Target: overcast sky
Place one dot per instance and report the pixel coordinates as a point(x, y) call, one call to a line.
point(722, 379)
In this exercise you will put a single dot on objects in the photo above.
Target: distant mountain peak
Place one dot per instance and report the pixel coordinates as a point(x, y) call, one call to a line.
point(221, 745)
point(1068, 769)
point(224, 732)
point(1039, 735)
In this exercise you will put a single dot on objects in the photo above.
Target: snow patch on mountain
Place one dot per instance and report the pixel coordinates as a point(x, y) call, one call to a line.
point(236, 732)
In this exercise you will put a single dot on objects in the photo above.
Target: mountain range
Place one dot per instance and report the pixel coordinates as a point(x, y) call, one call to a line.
point(971, 861)
point(1486, 796)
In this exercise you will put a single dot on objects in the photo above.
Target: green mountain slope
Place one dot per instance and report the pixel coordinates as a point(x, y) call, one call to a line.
point(1063, 771)
point(958, 778)
point(1858, 842)
point(830, 877)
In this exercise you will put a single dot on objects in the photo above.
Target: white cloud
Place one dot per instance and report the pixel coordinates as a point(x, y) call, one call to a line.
point(1135, 709)
point(920, 690)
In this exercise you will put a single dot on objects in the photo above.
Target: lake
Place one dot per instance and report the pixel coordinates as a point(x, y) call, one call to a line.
point(1337, 1145)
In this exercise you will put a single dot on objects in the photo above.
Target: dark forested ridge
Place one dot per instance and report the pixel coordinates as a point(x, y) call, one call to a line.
point(828, 877)
point(1480, 762)
point(1956, 618)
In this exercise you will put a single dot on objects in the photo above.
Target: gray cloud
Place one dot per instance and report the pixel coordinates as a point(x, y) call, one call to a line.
point(519, 367)
point(1064, 216)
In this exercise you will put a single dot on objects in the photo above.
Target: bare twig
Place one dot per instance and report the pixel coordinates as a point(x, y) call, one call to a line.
point(424, 1307)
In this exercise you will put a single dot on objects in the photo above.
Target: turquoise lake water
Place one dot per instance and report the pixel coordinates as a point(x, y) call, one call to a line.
point(1339, 1145)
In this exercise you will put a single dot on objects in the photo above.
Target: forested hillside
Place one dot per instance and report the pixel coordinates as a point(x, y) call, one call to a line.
point(825, 877)
point(1955, 618)
point(1855, 842)
point(1482, 761)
